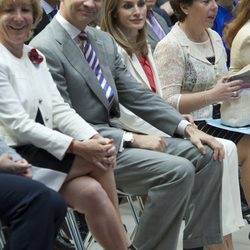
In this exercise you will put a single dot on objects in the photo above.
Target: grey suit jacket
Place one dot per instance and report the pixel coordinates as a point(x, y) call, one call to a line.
point(152, 37)
point(79, 87)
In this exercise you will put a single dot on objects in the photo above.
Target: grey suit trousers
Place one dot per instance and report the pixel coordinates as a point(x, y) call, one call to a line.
point(180, 183)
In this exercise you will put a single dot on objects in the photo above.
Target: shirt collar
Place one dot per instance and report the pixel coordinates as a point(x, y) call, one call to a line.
point(70, 29)
point(47, 7)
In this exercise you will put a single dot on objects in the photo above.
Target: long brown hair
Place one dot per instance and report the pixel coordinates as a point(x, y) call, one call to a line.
point(109, 24)
point(243, 15)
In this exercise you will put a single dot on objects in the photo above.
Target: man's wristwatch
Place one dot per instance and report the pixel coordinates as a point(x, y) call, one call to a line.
point(128, 139)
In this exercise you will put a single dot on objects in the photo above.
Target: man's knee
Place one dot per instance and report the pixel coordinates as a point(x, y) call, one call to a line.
point(213, 168)
point(181, 172)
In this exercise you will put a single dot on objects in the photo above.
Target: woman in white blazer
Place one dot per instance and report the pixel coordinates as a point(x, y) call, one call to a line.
point(36, 121)
point(135, 51)
point(126, 23)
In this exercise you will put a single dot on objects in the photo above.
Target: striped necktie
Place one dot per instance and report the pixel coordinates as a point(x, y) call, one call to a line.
point(94, 64)
point(155, 25)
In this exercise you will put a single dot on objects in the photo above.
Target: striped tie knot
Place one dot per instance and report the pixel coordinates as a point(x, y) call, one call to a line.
point(83, 36)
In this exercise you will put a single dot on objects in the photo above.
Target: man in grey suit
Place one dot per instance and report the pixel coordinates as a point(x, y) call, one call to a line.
point(181, 178)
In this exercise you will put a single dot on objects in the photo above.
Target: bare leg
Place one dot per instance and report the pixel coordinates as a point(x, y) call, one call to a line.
point(92, 191)
point(227, 245)
point(108, 186)
point(244, 159)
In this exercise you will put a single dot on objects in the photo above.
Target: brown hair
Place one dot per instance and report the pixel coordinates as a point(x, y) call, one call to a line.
point(243, 15)
point(109, 24)
point(176, 6)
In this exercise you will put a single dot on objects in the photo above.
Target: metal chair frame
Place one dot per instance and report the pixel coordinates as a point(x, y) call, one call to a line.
point(135, 212)
point(2, 238)
point(74, 230)
point(89, 240)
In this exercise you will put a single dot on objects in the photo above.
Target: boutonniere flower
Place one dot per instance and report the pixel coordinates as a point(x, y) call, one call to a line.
point(34, 57)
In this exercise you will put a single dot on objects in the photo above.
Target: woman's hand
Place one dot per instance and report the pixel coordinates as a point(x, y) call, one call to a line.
point(98, 151)
point(21, 167)
point(224, 91)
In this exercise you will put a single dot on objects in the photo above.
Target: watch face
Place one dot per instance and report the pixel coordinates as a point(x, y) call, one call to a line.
point(128, 137)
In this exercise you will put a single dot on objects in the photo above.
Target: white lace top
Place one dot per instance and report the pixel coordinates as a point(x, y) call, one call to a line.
point(183, 67)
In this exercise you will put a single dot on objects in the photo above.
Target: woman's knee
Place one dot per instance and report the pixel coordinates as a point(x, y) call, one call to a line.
point(94, 194)
point(244, 150)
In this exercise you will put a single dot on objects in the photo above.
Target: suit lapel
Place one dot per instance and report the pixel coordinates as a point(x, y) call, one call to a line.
point(217, 46)
point(75, 57)
point(138, 69)
point(155, 73)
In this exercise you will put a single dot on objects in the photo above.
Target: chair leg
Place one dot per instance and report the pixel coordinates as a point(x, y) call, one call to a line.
point(74, 231)
point(2, 238)
point(135, 213)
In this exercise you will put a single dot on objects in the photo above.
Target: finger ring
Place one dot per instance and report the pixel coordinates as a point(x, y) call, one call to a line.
point(235, 93)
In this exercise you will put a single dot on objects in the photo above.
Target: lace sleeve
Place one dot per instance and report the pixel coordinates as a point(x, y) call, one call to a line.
point(170, 63)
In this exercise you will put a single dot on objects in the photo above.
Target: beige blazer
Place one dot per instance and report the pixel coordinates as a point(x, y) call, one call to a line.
point(128, 120)
point(240, 50)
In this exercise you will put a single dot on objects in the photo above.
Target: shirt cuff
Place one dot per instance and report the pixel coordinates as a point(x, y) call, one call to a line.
point(181, 127)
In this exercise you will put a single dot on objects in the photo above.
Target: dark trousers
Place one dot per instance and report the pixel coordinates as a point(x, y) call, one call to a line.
point(32, 211)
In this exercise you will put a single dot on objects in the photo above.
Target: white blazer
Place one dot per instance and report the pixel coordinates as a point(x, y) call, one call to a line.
point(25, 87)
point(128, 120)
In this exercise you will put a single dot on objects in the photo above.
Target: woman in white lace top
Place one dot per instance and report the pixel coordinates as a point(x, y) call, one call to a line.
point(191, 63)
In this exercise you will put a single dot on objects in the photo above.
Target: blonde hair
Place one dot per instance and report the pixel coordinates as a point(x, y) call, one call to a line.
point(243, 15)
point(109, 24)
point(37, 13)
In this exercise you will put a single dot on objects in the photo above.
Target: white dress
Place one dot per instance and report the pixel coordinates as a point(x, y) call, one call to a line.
point(183, 69)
